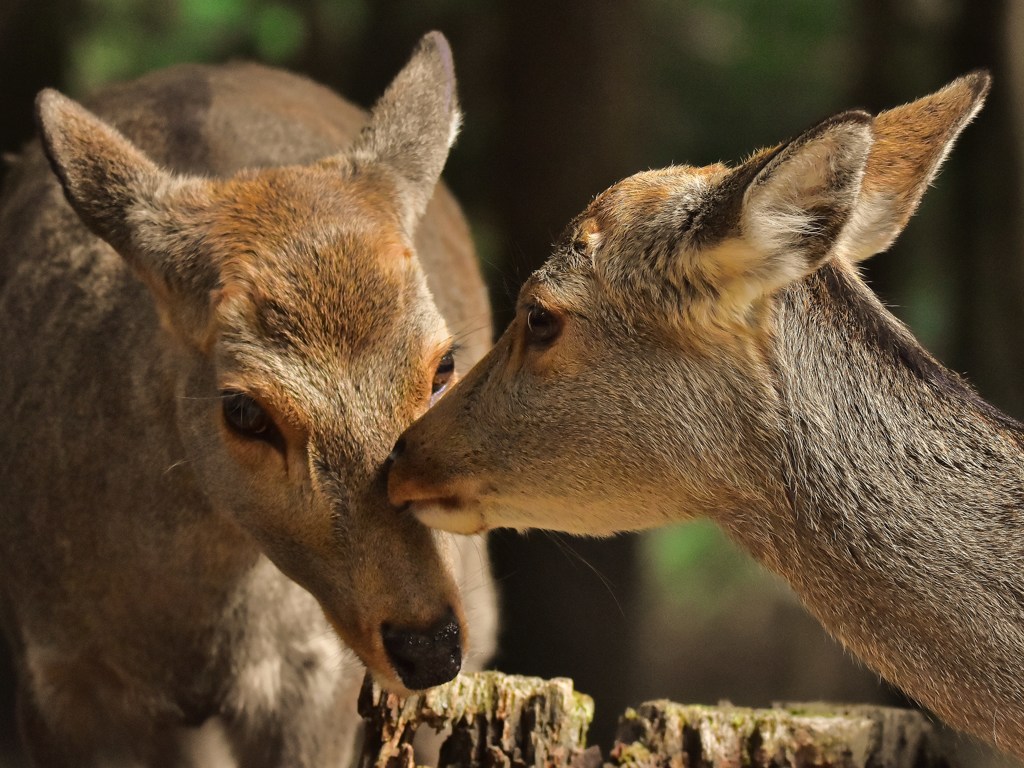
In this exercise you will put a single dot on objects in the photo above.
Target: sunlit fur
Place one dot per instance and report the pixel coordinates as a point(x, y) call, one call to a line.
point(157, 569)
point(720, 356)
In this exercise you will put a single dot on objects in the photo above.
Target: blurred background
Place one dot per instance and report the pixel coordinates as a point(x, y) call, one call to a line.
point(563, 98)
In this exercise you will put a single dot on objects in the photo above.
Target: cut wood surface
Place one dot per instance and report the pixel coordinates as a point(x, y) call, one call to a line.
point(494, 720)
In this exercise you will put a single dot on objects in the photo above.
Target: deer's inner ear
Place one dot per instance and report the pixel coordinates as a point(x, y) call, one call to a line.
point(769, 222)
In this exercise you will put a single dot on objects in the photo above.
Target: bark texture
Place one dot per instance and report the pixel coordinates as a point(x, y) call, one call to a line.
point(661, 734)
point(494, 720)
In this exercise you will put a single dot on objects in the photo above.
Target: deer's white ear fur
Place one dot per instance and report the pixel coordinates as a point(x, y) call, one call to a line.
point(794, 202)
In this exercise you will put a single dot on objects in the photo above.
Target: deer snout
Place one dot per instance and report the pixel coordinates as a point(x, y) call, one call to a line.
point(438, 502)
point(425, 658)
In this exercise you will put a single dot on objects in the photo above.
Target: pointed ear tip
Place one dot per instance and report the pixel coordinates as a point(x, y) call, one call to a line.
point(49, 101)
point(979, 81)
point(974, 86)
point(436, 44)
point(435, 37)
point(854, 122)
point(49, 106)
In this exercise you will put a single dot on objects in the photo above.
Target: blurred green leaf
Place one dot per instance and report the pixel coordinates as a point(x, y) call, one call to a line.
point(279, 32)
point(697, 571)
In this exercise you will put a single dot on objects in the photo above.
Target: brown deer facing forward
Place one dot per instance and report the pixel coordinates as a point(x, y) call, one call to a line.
point(191, 463)
point(700, 344)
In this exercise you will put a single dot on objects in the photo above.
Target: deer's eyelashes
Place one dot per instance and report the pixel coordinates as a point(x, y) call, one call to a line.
point(443, 375)
point(542, 325)
point(248, 419)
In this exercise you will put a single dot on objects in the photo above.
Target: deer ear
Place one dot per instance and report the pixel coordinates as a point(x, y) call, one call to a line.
point(801, 196)
point(103, 174)
point(778, 216)
point(126, 199)
point(910, 144)
point(413, 125)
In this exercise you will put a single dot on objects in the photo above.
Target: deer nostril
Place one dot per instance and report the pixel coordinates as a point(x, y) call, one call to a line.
point(425, 658)
point(396, 451)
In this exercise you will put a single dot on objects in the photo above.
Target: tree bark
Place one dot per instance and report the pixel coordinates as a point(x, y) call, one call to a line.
point(661, 733)
point(495, 720)
point(513, 722)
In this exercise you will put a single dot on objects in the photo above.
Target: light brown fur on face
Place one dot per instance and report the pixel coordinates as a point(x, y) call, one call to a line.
point(700, 344)
point(202, 237)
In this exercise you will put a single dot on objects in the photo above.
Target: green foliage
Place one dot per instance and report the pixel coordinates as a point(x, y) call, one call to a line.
point(720, 62)
point(698, 571)
point(279, 32)
point(120, 39)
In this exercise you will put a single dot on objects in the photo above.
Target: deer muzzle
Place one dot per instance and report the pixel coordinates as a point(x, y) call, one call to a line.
point(415, 485)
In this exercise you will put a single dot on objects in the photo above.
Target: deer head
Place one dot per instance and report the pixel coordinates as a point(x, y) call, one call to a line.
point(303, 339)
point(635, 384)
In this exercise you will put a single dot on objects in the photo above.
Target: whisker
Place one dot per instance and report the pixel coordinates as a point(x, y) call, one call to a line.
point(571, 553)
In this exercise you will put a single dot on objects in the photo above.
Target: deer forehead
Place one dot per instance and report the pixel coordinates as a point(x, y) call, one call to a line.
point(322, 370)
point(323, 305)
point(317, 259)
point(320, 296)
point(278, 207)
point(628, 230)
point(641, 205)
point(644, 223)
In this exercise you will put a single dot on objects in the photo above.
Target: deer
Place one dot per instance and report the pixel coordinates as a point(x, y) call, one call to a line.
point(224, 293)
point(700, 343)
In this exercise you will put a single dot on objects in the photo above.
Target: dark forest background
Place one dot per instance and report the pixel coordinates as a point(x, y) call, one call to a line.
point(562, 98)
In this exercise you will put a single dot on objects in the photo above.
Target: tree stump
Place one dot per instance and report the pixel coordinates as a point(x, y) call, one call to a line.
point(505, 721)
point(661, 734)
point(496, 721)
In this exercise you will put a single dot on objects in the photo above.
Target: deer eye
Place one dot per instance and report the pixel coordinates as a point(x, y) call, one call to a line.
point(542, 325)
point(443, 375)
point(247, 418)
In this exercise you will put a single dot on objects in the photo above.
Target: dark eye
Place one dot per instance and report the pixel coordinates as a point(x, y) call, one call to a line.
point(542, 325)
point(247, 418)
point(443, 375)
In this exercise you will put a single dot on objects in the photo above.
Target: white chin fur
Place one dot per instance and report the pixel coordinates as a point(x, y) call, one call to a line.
point(464, 521)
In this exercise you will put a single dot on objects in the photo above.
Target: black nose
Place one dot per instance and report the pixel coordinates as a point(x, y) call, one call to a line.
point(425, 658)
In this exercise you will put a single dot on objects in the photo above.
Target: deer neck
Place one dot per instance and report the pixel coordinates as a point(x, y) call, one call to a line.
point(900, 520)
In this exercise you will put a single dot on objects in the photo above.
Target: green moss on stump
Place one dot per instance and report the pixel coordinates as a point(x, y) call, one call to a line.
point(662, 734)
point(504, 721)
point(495, 720)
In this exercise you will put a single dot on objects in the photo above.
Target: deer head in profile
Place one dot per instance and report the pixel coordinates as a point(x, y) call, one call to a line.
point(700, 343)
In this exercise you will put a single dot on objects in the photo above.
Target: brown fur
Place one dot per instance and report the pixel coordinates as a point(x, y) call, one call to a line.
point(719, 356)
point(293, 252)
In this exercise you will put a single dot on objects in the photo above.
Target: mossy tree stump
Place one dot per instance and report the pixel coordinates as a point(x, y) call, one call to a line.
point(661, 734)
point(495, 720)
point(503, 721)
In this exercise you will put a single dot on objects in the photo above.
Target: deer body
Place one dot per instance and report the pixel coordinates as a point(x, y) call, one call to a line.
point(894, 512)
point(154, 539)
point(700, 344)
